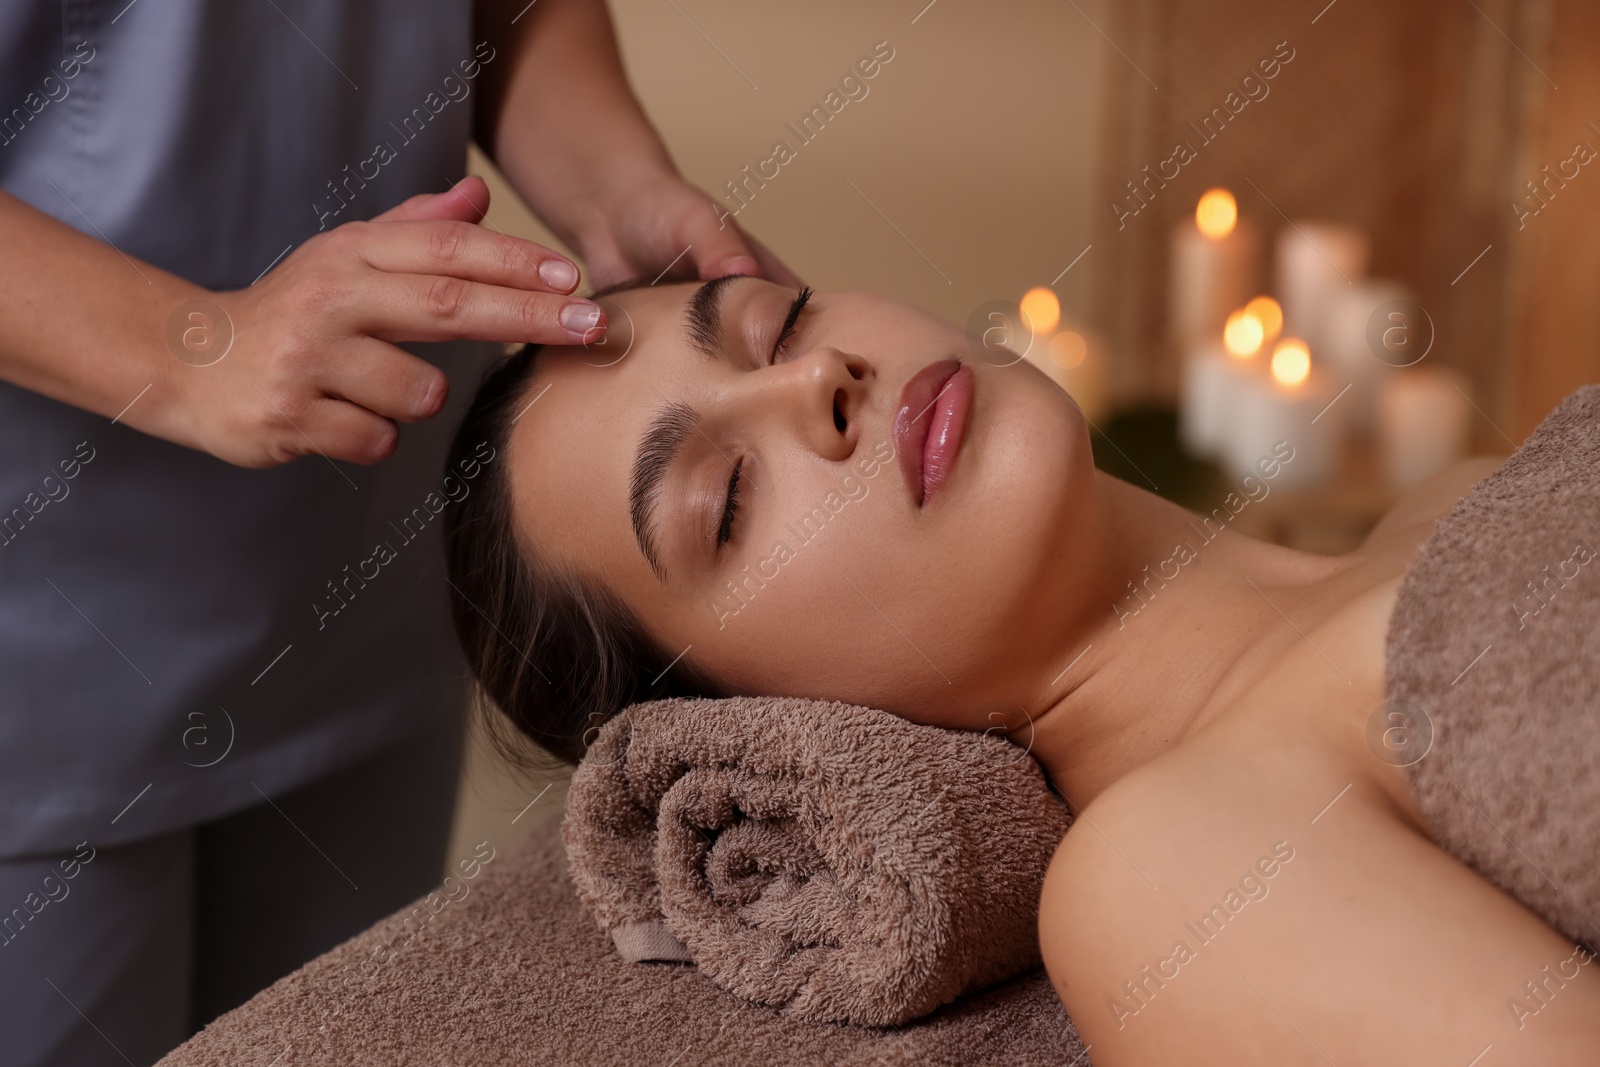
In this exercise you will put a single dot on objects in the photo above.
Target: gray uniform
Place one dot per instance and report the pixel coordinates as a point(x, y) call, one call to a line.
point(180, 638)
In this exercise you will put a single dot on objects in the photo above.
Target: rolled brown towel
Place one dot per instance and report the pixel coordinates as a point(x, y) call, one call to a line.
point(834, 861)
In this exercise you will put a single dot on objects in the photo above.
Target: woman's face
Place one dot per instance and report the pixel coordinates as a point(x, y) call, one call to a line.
point(853, 564)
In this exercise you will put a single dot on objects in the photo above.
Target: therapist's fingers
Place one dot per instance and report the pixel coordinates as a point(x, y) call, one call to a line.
point(419, 307)
point(771, 266)
point(462, 250)
point(466, 201)
point(716, 244)
point(339, 429)
point(385, 380)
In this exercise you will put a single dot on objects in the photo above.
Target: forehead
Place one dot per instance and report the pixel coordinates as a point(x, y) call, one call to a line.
point(583, 414)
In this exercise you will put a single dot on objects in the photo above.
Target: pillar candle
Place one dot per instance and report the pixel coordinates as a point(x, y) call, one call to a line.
point(1211, 380)
point(1215, 261)
point(1213, 375)
point(1289, 404)
point(1350, 308)
point(1424, 424)
point(1313, 260)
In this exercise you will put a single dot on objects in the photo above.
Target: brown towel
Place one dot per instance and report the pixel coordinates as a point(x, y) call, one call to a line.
point(835, 861)
point(1496, 638)
point(513, 971)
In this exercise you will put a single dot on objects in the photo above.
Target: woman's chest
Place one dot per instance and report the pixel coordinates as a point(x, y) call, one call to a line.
point(1320, 705)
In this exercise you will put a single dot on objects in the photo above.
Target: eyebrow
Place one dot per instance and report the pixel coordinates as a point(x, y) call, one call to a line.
point(672, 424)
point(705, 315)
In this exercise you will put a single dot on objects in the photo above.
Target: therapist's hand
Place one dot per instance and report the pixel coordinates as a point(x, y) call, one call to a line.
point(638, 229)
point(558, 117)
point(313, 366)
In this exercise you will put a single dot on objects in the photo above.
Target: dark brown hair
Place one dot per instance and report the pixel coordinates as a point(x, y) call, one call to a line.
point(556, 653)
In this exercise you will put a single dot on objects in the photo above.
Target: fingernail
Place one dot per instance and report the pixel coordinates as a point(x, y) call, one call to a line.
point(740, 265)
point(558, 274)
point(581, 316)
point(431, 396)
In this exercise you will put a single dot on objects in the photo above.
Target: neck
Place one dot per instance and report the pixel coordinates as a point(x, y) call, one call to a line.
point(1194, 613)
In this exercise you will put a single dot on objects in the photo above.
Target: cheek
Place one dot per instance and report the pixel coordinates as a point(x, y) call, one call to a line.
point(800, 615)
point(1019, 529)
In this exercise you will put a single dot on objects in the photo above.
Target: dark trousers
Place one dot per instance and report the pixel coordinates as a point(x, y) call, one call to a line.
point(149, 941)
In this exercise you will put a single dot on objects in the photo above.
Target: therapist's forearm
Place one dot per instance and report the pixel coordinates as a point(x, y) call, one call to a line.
point(560, 119)
point(79, 321)
point(304, 360)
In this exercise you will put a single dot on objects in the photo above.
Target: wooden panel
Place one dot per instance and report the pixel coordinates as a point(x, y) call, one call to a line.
point(1342, 134)
point(1555, 343)
point(1423, 123)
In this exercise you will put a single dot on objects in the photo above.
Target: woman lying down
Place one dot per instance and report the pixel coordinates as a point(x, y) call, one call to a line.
point(1195, 731)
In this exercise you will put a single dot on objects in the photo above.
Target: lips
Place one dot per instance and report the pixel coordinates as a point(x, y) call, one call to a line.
point(930, 423)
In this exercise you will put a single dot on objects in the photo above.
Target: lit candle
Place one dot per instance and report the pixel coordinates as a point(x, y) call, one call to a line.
point(1424, 424)
point(1215, 259)
point(1041, 311)
point(1295, 402)
point(1314, 259)
point(1072, 359)
point(1213, 375)
point(1269, 313)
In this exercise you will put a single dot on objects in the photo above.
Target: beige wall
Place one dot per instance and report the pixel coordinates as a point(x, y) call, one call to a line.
point(974, 140)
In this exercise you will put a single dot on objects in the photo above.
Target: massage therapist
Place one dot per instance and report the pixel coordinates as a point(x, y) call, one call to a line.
point(229, 739)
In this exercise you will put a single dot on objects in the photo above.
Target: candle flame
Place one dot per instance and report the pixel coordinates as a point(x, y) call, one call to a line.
point(1270, 313)
point(1291, 362)
point(1243, 335)
point(1041, 311)
point(1068, 349)
point(1217, 213)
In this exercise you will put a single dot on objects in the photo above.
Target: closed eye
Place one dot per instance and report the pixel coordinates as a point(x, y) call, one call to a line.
point(784, 335)
point(731, 506)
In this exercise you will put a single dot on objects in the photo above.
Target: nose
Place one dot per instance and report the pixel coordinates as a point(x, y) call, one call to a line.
point(819, 395)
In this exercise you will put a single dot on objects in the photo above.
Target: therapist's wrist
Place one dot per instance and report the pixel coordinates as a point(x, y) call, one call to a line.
point(619, 198)
point(581, 186)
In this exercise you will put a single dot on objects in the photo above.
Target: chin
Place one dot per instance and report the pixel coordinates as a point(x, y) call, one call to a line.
point(1019, 499)
point(1029, 447)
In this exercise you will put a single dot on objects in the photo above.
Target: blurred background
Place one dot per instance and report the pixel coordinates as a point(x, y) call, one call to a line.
point(1368, 229)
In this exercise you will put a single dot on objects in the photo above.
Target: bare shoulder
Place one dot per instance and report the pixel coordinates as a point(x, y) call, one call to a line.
point(1414, 515)
point(1254, 906)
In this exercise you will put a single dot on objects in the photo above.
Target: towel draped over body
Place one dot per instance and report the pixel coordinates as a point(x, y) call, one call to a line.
point(1493, 661)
